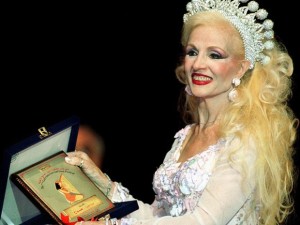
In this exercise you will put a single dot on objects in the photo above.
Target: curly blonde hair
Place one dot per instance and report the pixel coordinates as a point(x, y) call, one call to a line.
point(262, 108)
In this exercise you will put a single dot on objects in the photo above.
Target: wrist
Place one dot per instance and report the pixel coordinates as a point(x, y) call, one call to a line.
point(109, 185)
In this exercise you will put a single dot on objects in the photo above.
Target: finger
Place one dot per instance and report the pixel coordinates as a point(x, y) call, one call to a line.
point(83, 155)
point(74, 160)
point(79, 154)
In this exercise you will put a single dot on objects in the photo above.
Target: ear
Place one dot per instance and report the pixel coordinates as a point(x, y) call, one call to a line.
point(244, 66)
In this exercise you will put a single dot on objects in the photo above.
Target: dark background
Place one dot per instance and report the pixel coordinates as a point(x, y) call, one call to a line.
point(112, 64)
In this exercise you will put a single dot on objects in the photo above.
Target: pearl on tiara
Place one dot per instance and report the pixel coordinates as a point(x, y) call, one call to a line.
point(256, 35)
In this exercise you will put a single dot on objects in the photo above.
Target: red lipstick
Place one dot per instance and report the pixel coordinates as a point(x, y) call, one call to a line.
point(200, 79)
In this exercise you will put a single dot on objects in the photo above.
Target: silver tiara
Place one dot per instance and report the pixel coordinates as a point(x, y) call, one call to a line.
point(256, 35)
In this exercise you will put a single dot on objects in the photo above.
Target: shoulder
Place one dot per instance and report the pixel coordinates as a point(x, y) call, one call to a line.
point(177, 143)
point(182, 133)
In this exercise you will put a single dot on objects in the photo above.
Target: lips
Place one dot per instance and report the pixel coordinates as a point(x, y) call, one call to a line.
point(200, 79)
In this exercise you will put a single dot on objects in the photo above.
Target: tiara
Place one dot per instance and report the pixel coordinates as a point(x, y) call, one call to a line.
point(256, 35)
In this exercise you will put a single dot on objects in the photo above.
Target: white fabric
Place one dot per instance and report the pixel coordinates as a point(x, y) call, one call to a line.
point(205, 190)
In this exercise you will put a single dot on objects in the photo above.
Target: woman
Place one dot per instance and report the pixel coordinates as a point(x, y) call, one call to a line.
point(232, 163)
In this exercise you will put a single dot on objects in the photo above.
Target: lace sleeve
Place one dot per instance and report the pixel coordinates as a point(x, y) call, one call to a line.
point(120, 193)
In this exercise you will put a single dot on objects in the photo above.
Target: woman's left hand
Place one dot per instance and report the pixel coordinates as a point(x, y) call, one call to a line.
point(81, 159)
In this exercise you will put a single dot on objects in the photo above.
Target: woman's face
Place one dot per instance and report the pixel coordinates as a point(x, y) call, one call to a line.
point(212, 61)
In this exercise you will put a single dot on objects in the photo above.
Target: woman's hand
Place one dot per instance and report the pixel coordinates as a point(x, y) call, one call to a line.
point(81, 159)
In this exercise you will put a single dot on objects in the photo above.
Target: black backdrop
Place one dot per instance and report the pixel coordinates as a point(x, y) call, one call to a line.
point(112, 64)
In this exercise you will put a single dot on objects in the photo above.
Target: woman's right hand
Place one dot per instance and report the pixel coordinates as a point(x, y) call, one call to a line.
point(81, 159)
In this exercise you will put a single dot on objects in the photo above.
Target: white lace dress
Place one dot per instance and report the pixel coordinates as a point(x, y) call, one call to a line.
point(206, 189)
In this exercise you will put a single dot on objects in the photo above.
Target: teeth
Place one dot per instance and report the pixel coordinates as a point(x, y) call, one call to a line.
point(201, 78)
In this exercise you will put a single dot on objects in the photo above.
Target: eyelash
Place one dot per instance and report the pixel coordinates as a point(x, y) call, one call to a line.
point(216, 56)
point(191, 52)
point(213, 55)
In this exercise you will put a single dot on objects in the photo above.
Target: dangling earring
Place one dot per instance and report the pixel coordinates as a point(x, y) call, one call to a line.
point(232, 95)
point(188, 90)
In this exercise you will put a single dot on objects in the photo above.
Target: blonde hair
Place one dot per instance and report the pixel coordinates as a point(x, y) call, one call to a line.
point(263, 111)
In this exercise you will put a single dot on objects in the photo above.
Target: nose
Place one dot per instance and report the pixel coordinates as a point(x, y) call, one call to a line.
point(200, 62)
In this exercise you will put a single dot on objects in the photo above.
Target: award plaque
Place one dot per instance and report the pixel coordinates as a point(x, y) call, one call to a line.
point(39, 187)
point(63, 190)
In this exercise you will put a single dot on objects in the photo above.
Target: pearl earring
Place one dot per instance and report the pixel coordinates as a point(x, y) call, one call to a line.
point(232, 95)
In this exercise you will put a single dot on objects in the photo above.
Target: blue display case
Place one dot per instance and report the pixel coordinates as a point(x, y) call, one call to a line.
point(15, 207)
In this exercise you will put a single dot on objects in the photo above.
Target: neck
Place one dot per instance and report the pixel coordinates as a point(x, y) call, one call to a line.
point(209, 111)
point(208, 122)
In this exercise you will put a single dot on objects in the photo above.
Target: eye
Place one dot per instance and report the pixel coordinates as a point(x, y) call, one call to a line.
point(192, 52)
point(215, 55)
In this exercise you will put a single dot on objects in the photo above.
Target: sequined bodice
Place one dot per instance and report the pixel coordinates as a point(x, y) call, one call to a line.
point(178, 186)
